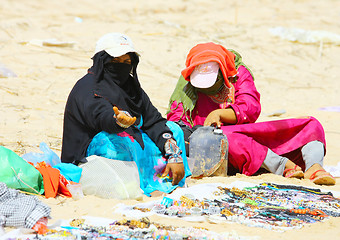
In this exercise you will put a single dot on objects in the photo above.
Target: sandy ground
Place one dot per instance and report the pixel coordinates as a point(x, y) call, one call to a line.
point(298, 78)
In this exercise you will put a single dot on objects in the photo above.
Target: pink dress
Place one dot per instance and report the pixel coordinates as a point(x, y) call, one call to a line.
point(249, 141)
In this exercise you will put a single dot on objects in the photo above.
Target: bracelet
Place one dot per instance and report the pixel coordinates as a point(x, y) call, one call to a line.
point(172, 151)
point(175, 158)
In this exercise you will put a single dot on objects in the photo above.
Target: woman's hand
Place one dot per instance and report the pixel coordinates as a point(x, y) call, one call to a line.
point(123, 119)
point(219, 116)
point(177, 170)
point(214, 118)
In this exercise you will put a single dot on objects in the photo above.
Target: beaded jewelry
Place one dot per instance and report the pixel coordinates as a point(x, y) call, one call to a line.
point(172, 151)
point(77, 222)
point(266, 205)
point(187, 201)
point(142, 209)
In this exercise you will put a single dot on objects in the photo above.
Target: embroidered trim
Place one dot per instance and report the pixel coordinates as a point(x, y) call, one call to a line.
point(172, 151)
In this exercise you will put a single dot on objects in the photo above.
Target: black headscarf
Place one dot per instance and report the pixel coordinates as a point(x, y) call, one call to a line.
point(118, 82)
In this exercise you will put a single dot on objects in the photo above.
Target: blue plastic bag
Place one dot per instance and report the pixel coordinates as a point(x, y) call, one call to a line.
point(47, 155)
point(70, 171)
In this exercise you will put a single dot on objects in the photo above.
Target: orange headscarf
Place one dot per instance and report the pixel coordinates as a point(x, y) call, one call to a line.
point(211, 52)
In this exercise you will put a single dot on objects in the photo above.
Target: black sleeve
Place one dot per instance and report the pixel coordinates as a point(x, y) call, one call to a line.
point(95, 114)
point(98, 115)
point(154, 125)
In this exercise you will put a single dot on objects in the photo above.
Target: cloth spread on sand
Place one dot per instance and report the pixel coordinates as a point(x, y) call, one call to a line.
point(255, 205)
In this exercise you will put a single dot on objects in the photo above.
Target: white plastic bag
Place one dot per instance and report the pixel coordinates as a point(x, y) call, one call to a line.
point(5, 72)
point(305, 36)
point(47, 155)
point(108, 178)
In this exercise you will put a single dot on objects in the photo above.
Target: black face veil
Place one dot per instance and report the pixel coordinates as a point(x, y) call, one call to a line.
point(118, 82)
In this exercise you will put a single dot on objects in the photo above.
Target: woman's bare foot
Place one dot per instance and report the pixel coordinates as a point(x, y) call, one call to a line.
point(318, 175)
point(292, 170)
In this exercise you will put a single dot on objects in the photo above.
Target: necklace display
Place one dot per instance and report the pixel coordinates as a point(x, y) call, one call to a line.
point(267, 205)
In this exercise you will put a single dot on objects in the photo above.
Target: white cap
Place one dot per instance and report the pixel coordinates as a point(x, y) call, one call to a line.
point(115, 44)
point(204, 75)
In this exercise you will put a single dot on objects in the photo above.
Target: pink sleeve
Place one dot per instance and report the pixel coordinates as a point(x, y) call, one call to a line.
point(247, 105)
point(176, 113)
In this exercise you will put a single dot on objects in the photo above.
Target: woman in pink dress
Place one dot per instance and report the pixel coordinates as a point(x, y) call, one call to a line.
point(216, 88)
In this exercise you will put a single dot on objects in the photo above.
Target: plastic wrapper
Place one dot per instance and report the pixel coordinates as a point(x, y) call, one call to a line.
point(47, 156)
point(108, 178)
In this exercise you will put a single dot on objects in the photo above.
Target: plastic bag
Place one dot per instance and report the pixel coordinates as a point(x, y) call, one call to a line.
point(76, 190)
point(70, 171)
point(108, 178)
point(5, 72)
point(305, 36)
point(19, 174)
point(48, 156)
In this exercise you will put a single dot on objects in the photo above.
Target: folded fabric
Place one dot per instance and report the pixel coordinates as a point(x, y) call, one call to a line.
point(20, 210)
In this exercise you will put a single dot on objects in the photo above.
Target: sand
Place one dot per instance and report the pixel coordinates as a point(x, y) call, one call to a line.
point(294, 77)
